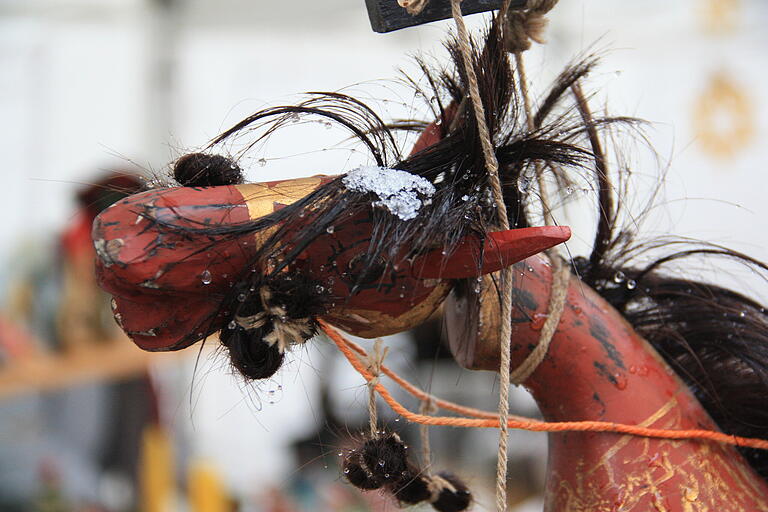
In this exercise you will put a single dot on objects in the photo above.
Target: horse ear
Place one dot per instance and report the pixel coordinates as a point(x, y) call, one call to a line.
point(474, 257)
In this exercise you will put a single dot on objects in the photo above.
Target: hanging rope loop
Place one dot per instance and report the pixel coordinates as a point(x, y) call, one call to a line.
point(482, 419)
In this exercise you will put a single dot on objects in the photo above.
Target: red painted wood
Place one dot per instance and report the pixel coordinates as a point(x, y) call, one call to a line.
point(169, 286)
point(598, 368)
point(472, 257)
point(158, 277)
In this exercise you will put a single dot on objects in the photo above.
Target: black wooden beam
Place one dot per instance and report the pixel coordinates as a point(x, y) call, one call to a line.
point(387, 15)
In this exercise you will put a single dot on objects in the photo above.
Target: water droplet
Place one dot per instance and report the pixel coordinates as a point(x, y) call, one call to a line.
point(241, 297)
point(341, 454)
point(439, 178)
point(206, 277)
point(232, 324)
point(330, 229)
point(381, 463)
point(742, 314)
point(631, 284)
point(386, 475)
point(319, 289)
point(261, 162)
point(346, 471)
point(529, 268)
point(619, 277)
point(327, 125)
point(402, 295)
point(279, 387)
point(537, 322)
point(398, 419)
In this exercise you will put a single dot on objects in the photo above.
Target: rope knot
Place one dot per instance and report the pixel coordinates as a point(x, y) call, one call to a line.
point(448, 493)
point(413, 7)
point(521, 26)
point(285, 331)
point(374, 362)
point(438, 484)
point(428, 405)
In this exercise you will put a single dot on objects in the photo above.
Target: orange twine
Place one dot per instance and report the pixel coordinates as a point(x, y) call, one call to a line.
point(483, 419)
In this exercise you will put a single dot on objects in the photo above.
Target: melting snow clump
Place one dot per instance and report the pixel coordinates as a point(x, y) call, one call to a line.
point(398, 191)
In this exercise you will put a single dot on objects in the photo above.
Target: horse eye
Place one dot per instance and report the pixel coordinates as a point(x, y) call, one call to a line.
point(363, 272)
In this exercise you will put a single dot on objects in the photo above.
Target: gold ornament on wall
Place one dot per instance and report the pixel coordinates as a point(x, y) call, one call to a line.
point(721, 16)
point(723, 118)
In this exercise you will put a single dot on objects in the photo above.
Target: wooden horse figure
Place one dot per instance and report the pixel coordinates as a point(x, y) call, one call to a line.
point(380, 249)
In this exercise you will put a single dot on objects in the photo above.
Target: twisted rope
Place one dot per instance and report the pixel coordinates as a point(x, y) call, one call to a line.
point(427, 406)
point(522, 26)
point(374, 364)
point(561, 275)
point(532, 424)
point(492, 166)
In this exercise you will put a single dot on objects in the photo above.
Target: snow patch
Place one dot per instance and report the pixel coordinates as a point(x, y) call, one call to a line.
point(398, 191)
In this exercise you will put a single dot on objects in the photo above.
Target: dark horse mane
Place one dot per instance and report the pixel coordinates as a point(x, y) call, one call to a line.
point(716, 339)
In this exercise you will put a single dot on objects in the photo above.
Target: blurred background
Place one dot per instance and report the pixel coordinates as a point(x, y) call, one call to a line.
point(92, 89)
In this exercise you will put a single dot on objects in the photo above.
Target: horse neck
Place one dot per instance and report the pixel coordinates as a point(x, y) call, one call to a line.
point(596, 368)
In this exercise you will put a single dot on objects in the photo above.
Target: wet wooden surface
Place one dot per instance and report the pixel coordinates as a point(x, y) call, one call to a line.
point(388, 16)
